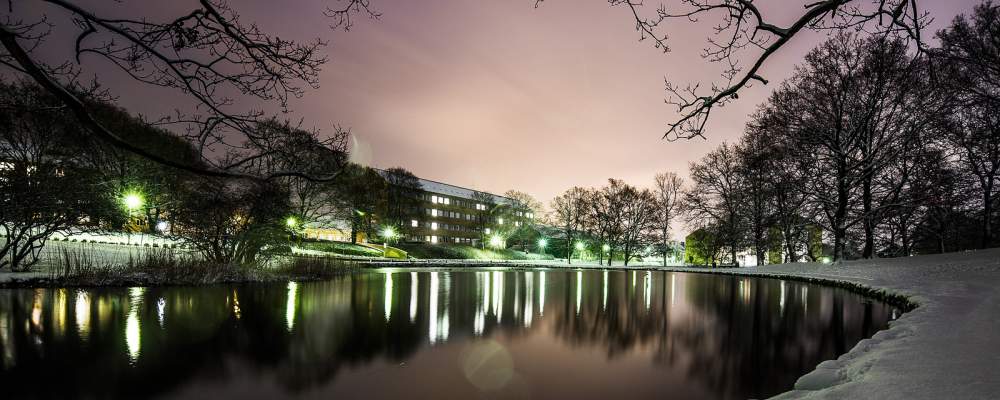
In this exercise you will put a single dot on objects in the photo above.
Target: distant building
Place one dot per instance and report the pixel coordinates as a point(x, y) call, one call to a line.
point(447, 214)
point(454, 214)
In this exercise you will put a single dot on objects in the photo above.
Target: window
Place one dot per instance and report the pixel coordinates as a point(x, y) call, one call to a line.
point(434, 199)
point(517, 223)
point(487, 230)
point(434, 212)
point(447, 201)
point(457, 240)
point(414, 223)
point(434, 226)
point(500, 221)
point(434, 239)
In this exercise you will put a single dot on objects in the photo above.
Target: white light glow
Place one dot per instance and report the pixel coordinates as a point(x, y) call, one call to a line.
point(388, 296)
point(293, 289)
point(414, 286)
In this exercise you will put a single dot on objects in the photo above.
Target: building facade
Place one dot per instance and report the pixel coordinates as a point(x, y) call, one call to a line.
point(454, 214)
point(446, 214)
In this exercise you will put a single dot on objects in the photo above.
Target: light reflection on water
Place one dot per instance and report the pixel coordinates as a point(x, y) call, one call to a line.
point(433, 334)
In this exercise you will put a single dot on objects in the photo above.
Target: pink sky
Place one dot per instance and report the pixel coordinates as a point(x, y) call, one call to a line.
point(498, 95)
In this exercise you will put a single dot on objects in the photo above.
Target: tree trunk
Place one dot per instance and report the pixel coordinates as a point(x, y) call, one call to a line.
point(789, 246)
point(665, 246)
point(987, 216)
point(840, 220)
point(600, 255)
point(569, 248)
point(868, 221)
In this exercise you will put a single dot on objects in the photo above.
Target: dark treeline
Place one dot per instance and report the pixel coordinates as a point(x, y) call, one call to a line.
point(55, 181)
point(884, 152)
point(617, 221)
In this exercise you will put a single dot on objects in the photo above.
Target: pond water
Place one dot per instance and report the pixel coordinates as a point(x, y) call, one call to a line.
point(541, 334)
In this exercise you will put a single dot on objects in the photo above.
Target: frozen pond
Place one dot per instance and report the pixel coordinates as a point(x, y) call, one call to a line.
point(538, 334)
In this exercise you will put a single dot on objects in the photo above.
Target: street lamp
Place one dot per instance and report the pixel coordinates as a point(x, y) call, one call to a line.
point(132, 201)
point(579, 248)
point(291, 222)
point(496, 241)
point(387, 234)
point(541, 245)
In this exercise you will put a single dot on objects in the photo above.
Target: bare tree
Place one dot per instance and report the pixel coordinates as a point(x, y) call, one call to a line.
point(568, 211)
point(604, 209)
point(745, 38)
point(970, 61)
point(487, 206)
point(666, 193)
point(362, 194)
point(232, 221)
point(403, 200)
point(208, 54)
point(757, 192)
point(638, 217)
point(526, 208)
point(715, 197)
point(282, 146)
point(46, 186)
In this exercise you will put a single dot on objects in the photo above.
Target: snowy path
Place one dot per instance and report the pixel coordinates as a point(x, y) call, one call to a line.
point(948, 348)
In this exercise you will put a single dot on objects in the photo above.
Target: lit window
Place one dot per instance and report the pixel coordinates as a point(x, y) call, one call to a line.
point(434, 226)
point(434, 199)
point(414, 223)
point(434, 212)
point(457, 240)
point(500, 221)
point(434, 239)
point(517, 223)
point(487, 230)
point(447, 201)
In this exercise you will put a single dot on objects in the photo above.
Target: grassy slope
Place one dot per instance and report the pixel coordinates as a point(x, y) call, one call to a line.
point(458, 252)
point(344, 248)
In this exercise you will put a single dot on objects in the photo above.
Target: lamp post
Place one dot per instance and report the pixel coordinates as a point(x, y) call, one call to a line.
point(387, 234)
point(541, 245)
point(291, 223)
point(579, 249)
point(132, 201)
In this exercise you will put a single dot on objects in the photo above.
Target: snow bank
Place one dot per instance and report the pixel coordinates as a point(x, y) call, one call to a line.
point(946, 348)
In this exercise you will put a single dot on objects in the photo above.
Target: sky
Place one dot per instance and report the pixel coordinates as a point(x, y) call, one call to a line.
point(497, 95)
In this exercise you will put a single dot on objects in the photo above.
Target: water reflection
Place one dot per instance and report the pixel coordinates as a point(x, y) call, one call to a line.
point(556, 333)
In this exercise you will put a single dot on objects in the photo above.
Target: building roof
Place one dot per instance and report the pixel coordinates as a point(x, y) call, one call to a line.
point(428, 185)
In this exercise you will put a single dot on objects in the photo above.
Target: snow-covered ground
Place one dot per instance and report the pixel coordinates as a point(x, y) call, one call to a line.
point(947, 348)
